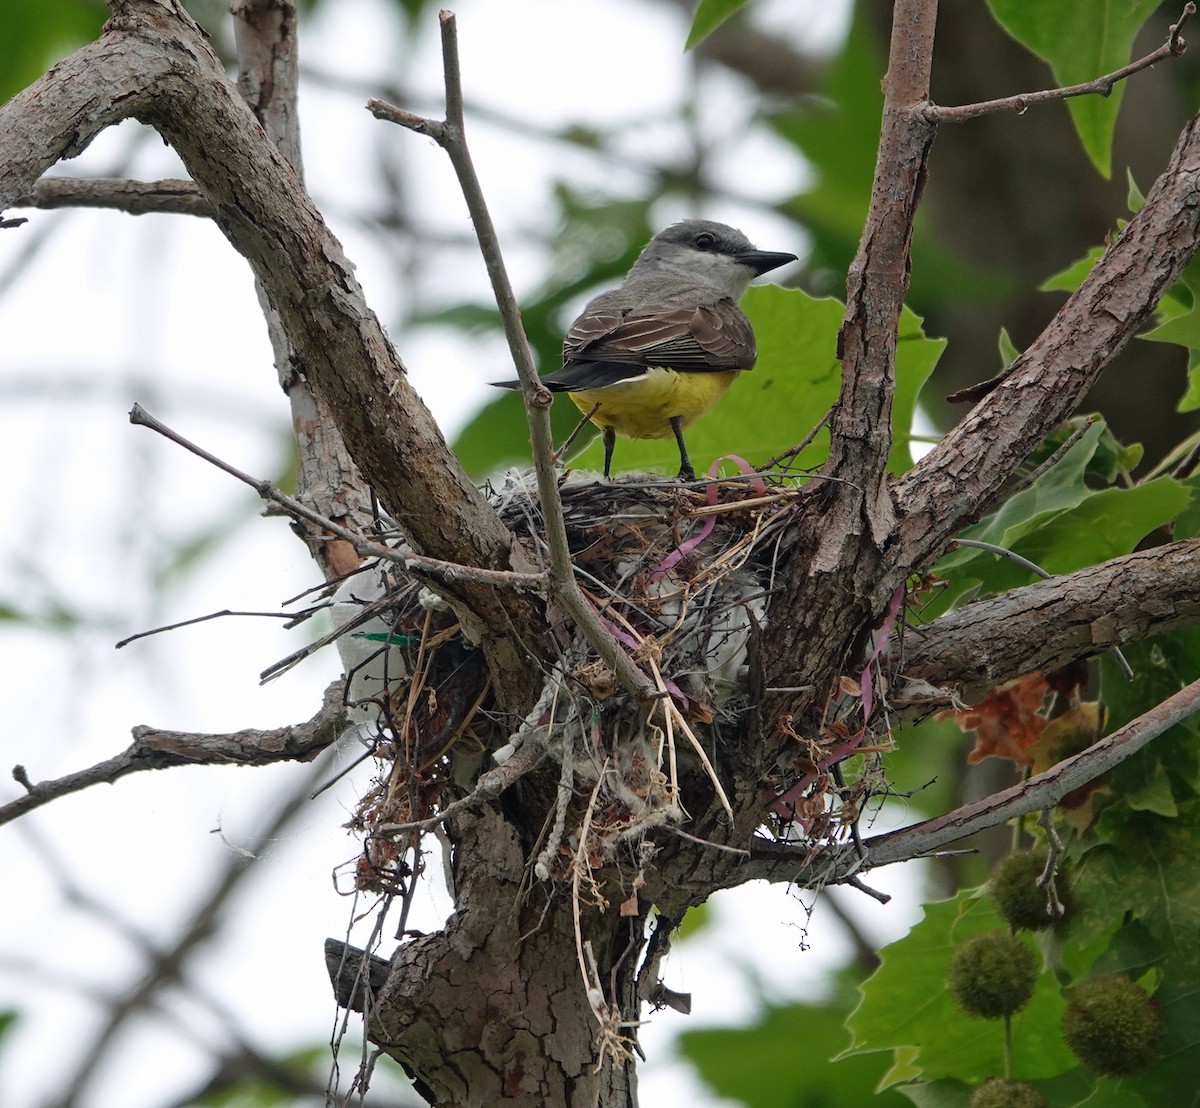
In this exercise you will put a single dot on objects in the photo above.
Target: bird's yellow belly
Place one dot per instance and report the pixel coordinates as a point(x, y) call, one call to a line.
point(643, 409)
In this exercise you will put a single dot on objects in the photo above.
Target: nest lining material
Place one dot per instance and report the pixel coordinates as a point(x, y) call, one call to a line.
point(682, 577)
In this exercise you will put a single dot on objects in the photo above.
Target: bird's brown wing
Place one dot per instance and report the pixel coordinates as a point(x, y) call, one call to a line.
point(693, 339)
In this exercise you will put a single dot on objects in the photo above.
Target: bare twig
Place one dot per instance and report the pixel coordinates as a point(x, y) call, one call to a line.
point(1004, 552)
point(450, 135)
point(154, 749)
point(447, 571)
point(326, 477)
point(792, 451)
point(1084, 426)
point(561, 452)
point(198, 619)
point(1054, 852)
point(1101, 86)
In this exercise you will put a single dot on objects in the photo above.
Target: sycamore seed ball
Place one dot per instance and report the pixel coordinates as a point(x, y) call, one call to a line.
point(1000, 1092)
point(1113, 1026)
point(991, 975)
point(1015, 892)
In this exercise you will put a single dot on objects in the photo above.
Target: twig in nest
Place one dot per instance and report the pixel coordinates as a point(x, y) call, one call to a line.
point(671, 710)
point(489, 786)
point(709, 843)
point(595, 991)
point(564, 795)
point(612, 1044)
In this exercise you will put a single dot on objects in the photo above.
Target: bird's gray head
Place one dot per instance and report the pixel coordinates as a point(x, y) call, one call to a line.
point(707, 253)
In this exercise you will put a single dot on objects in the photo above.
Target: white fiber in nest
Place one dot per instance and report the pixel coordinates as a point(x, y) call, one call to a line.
point(367, 659)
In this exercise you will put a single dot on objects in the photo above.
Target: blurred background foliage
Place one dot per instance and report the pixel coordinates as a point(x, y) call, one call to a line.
point(1012, 201)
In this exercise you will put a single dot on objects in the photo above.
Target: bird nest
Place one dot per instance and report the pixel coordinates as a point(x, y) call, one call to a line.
point(680, 577)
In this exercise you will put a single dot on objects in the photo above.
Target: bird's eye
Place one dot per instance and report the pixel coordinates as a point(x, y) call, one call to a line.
point(705, 241)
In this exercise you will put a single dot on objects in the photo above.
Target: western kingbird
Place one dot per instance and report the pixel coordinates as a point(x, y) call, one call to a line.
point(656, 354)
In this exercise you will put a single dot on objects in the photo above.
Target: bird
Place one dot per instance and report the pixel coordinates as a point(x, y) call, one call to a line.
point(649, 358)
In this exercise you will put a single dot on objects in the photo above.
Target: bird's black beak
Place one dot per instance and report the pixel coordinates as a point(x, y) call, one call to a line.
point(763, 261)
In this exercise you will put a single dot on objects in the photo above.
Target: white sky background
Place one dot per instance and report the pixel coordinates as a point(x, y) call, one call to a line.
point(159, 310)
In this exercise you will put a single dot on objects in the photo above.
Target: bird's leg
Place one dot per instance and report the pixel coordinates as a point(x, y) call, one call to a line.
point(686, 473)
point(610, 440)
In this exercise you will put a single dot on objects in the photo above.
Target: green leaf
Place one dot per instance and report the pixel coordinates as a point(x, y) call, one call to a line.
point(1080, 40)
point(695, 919)
point(1166, 773)
point(1060, 524)
point(1008, 349)
point(1176, 1078)
point(1135, 198)
point(1105, 525)
point(1147, 869)
point(938, 1094)
point(1069, 279)
point(782, 1059)
point(38, 34)
point(710, 14)
point(905, 1004)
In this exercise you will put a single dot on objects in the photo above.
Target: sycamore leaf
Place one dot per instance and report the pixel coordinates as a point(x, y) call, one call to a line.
point(1080, 40)
point(1007, 722)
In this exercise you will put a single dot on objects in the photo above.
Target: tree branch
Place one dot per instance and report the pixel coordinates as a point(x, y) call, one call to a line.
point(1174, 47)
point(794, 862)
point(134, 197)
point(326, 477)
point(955, 482)
point(843, 528)
point(1050, 623)
point(154, 749)
point(153, 63)
point(860, 430)
point(1044, 790)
